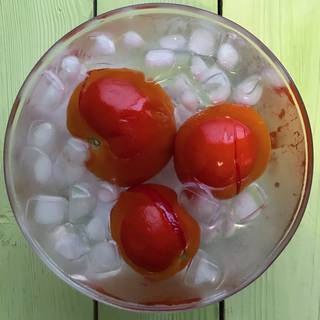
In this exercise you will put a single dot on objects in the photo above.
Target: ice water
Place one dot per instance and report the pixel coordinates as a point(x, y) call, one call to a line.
point(199, 63)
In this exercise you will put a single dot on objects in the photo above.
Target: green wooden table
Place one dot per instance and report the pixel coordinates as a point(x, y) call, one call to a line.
point(289, 290)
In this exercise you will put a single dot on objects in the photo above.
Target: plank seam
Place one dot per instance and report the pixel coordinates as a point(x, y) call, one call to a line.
point(220, 7)
point(221, 303)
point(95, 8)
point(95, 310)
point(95, 302)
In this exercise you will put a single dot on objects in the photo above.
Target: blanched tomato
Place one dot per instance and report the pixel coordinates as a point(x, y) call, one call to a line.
point(225, 147)
point(155, 235)
point(128, 121)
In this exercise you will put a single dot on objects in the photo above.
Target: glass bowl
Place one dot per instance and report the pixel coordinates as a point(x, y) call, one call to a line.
point(241, 250)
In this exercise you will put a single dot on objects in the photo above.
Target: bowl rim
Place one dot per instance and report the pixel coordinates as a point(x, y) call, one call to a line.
point(282, 243)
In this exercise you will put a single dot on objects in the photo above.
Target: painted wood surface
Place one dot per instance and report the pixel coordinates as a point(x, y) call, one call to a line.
point(290, 289)
point(107, 5)
point(28, 290)
point(106, 312)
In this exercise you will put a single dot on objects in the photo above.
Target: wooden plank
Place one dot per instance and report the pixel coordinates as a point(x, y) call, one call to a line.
point(28, 290)
point(106, 312)
point(107, 5)
point(290, 289)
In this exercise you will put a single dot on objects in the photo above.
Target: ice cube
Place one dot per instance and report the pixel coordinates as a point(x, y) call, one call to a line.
point(100, 45)
point(70, 69)
point(81, 201)
point(159, 58)
point(249, 91)
point(132, 40)
point(202, 42)
point(181, 114)
point(48, 93)
point(173, 42)
point(224, 227)
point(198, 200)
point(216, 83)
point(202, 271)
point(42, 135)
point(76, 151)
point(249, 203)
point(190, 100)
point(104, 257)
point(198, 66)
point(272, 78)
point(107, 192)
point(42, 169)
point(181, 84)
point(70, 243)
point(103, 209)
point(97, 229)
point(47, 210)
point(37, 164)
point(227, 56)
point(66, 173)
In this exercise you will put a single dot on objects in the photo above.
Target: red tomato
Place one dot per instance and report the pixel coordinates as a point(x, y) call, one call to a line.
point(129, 120)
point(155, 235)
point(225, 147)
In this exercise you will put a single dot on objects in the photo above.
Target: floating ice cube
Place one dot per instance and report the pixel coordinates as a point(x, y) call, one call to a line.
point(100, 45)
point(42, 169)
point(249, 203)
point(70, 69)
point(107, 192)
point(227, 56)
point(272, 78)
point(47, 210)
point(48, 92)
point(181, 114)
point(198, 66)
point(42, 135)
point(202, 42)
point(132, 40)
point(249, 91)
point(59, 118)
point(202, 271)
point(198, 200)
point(224, 227)
point(173, 42)
point(104, 257)
point(216, 83)
point(190, 100)
point(97, 229)
point(81, 201)
point(76, 151)
point(70, 243)
point(66, 173)
point(182, 83)
point(159, 58)
point(103, 209)
point(37, 164)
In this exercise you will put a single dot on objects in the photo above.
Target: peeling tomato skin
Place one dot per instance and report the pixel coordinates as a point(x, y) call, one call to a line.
point(225, 147)
point(125, 114)
point(155, 236)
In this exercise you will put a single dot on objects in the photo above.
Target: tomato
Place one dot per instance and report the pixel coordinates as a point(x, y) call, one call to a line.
point(225, 147)
point(155, 235)
point(128, 121)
